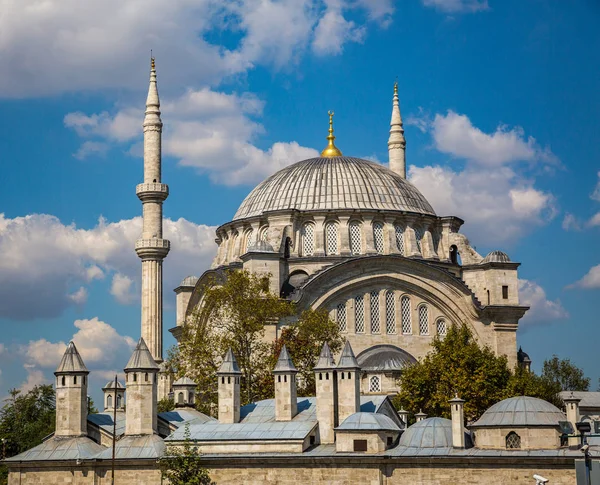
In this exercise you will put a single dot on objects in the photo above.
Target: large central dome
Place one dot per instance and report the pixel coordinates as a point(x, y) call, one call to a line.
point(333, 184)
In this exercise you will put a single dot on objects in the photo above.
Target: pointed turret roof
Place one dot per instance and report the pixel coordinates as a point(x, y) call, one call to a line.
point(71, 361)
point(229, 365)
point(141, 359)
point(347, 359)
point(325, 359)
point(396, 125)
point(152, 101)
point(284, 363)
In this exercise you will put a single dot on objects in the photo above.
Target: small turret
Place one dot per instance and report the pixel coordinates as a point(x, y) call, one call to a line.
point(114, 397)
point(348, 381)
point(572, 408)
point(229, 376)
point(458, 419)
point(71, 394)
point(184, 390)
point(286, 400)
point(326, 390)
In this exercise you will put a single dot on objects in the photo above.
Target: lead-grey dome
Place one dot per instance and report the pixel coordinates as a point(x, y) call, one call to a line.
point(496, 257)
point(431, 433)
point(334, 183)
point(521, 411)
point(384, 358)
point(368, 422)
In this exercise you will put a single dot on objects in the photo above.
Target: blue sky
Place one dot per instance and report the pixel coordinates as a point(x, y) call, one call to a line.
point(500, 105)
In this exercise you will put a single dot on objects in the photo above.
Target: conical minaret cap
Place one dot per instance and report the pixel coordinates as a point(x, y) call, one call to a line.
point(325, 361)
point(229, 365)
point(71, 362)
point(284, 363)
point(347, 359)
point(141, 359)
point(152, 101)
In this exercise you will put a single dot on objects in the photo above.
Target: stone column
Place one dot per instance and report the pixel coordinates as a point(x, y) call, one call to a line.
point(368, 239)
point(389, 231)
point(457, 411)
point(319, 236)
point(344, 228)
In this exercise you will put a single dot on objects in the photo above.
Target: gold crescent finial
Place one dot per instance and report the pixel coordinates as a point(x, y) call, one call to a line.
point(396, 87)
point(331, 150)
point(152, 63)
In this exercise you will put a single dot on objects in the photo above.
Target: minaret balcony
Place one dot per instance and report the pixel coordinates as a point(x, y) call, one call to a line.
point(152, 191)
point(154, 248)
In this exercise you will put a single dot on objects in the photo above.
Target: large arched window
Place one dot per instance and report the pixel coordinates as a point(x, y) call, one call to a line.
point(378, 236)
point(308, 239)
point(374, 384)
point(375, 323)
point(355, 238)
point(341, 317)
point(249, 240)
point(423, 320)
point(513, 441)
point(359, 314)
point(399, 239)
point(418, 238)
point(390, 312)
point(331, 233)
point(406, 315)
point(441, 327)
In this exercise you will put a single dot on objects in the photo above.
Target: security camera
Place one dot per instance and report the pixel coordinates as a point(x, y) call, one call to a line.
point(539, 480)
point(584, 449)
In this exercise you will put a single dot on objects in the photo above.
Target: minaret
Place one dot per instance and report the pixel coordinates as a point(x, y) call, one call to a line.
point(396, 142)
point(151, 247)
point(348, 375)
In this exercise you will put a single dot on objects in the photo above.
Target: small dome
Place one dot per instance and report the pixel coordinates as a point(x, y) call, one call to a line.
point(384, 358)
point(189, 281)
point(521, 411)
point(184, 381)
point(111, 385)
point(522, 357)
point(431, 433)
point(368, 422)
point(496, 257)
point(261, 247)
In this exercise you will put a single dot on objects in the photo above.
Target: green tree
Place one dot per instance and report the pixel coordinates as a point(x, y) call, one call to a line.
point(566, 375)
point(456, 365)
point(181, 464)
point(525, 383)
point(166, 404)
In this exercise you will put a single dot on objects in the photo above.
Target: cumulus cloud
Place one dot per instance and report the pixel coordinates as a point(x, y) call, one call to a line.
point(594, 220)
point(333, 31)
point(590, 281)
point(121, 288)
point(595, 195)
point(457, 6)
point(54, 261)
point(571, 223)
point(542, 310)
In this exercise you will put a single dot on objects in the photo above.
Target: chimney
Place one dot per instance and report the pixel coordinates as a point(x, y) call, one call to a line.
point(229, 389)
point(458, 415)
point(114, 398)
point(286, 401)
point(348, 381)
point(420, 416)
point(184, 390)
point(572, 408)
point(326, 387)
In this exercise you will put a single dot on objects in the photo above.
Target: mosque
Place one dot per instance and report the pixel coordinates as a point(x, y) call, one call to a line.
point(358, 239)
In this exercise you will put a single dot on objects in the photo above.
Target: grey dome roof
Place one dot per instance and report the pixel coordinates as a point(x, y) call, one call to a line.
point(184, 381)
point(368, 422)
point(71, 361)
point(496, 257)
point(334, 183)
point(431, 433)
point(521, 411)
point(384, 357)
point(189, 281)
point(111, 385)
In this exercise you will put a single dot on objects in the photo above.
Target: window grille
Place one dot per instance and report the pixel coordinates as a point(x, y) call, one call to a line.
point(263, 233)
point(308, 239)
point(359, 314)
point(375, 324)
point(441, 327)
point(423, 320)
point(390, 312)
point(355, 238)
point(332, 238)
point(378, 236)
point(513, 441)
point(249, 239)
point(399, 239)
point(406, 320)
point(341, 317)
point(418, 237)
point(374, 384)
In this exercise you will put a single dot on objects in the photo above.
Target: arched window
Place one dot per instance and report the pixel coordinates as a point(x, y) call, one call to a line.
point(378, 236)
point(308, 239)
point(262, 235)
point(109, 401)
point(180, 398)
point(118, 401)
point(406, 316)
point(249, 240)
point(374, 384)
point(441, 327)
point(423, 320)
point(390, 312)
point(359, 314)
point(75, 380)
point(63, 381)
point(191, 398)
point(418, 237)
point(375, 324)
point(146, 377)
point(355, 238)
point(399, 239)
point(331, 233)
point(513, 441)
point(341, 317)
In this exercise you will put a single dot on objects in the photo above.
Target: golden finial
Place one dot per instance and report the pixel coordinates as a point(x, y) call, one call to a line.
point(152, 63)
point(396, 87)
point(331, 150)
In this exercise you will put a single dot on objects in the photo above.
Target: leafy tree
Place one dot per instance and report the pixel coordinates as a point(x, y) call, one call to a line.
point(567, 376)
point(525, 383)
point(456, 365)
point(181, 465)
point(92, 409)
point(166, 404)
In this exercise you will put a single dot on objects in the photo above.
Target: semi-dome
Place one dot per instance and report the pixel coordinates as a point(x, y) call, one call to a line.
point(334, 183)
point(431, 433)
point(521, 411)
point(384, 358)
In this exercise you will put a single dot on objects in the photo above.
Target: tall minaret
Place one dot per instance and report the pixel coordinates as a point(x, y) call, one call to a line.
point(151, 247)
point(396, 142)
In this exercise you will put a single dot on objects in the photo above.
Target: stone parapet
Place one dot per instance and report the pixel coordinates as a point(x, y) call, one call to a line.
point(152, 248)
point(152, 191)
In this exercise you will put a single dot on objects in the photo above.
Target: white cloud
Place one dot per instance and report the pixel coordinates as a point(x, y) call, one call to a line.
point(35, 377)
point(542, 310)
point(90, 148)
point(571, 223)
point(456, 6)
point(51, 262)
point(595, 195)
point(590, 281)
point(333, 31)
point(594, 220)
point(121, 289)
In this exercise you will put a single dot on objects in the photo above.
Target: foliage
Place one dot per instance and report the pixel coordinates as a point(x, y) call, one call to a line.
point(525, 383)
point(456, 365)
point(567, 376)
point(181, 464)
point(92, 409)
point(166, 404)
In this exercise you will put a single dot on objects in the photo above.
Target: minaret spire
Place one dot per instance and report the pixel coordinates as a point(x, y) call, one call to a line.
point(396, 142)
point(151, 247)
point(331, 150)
